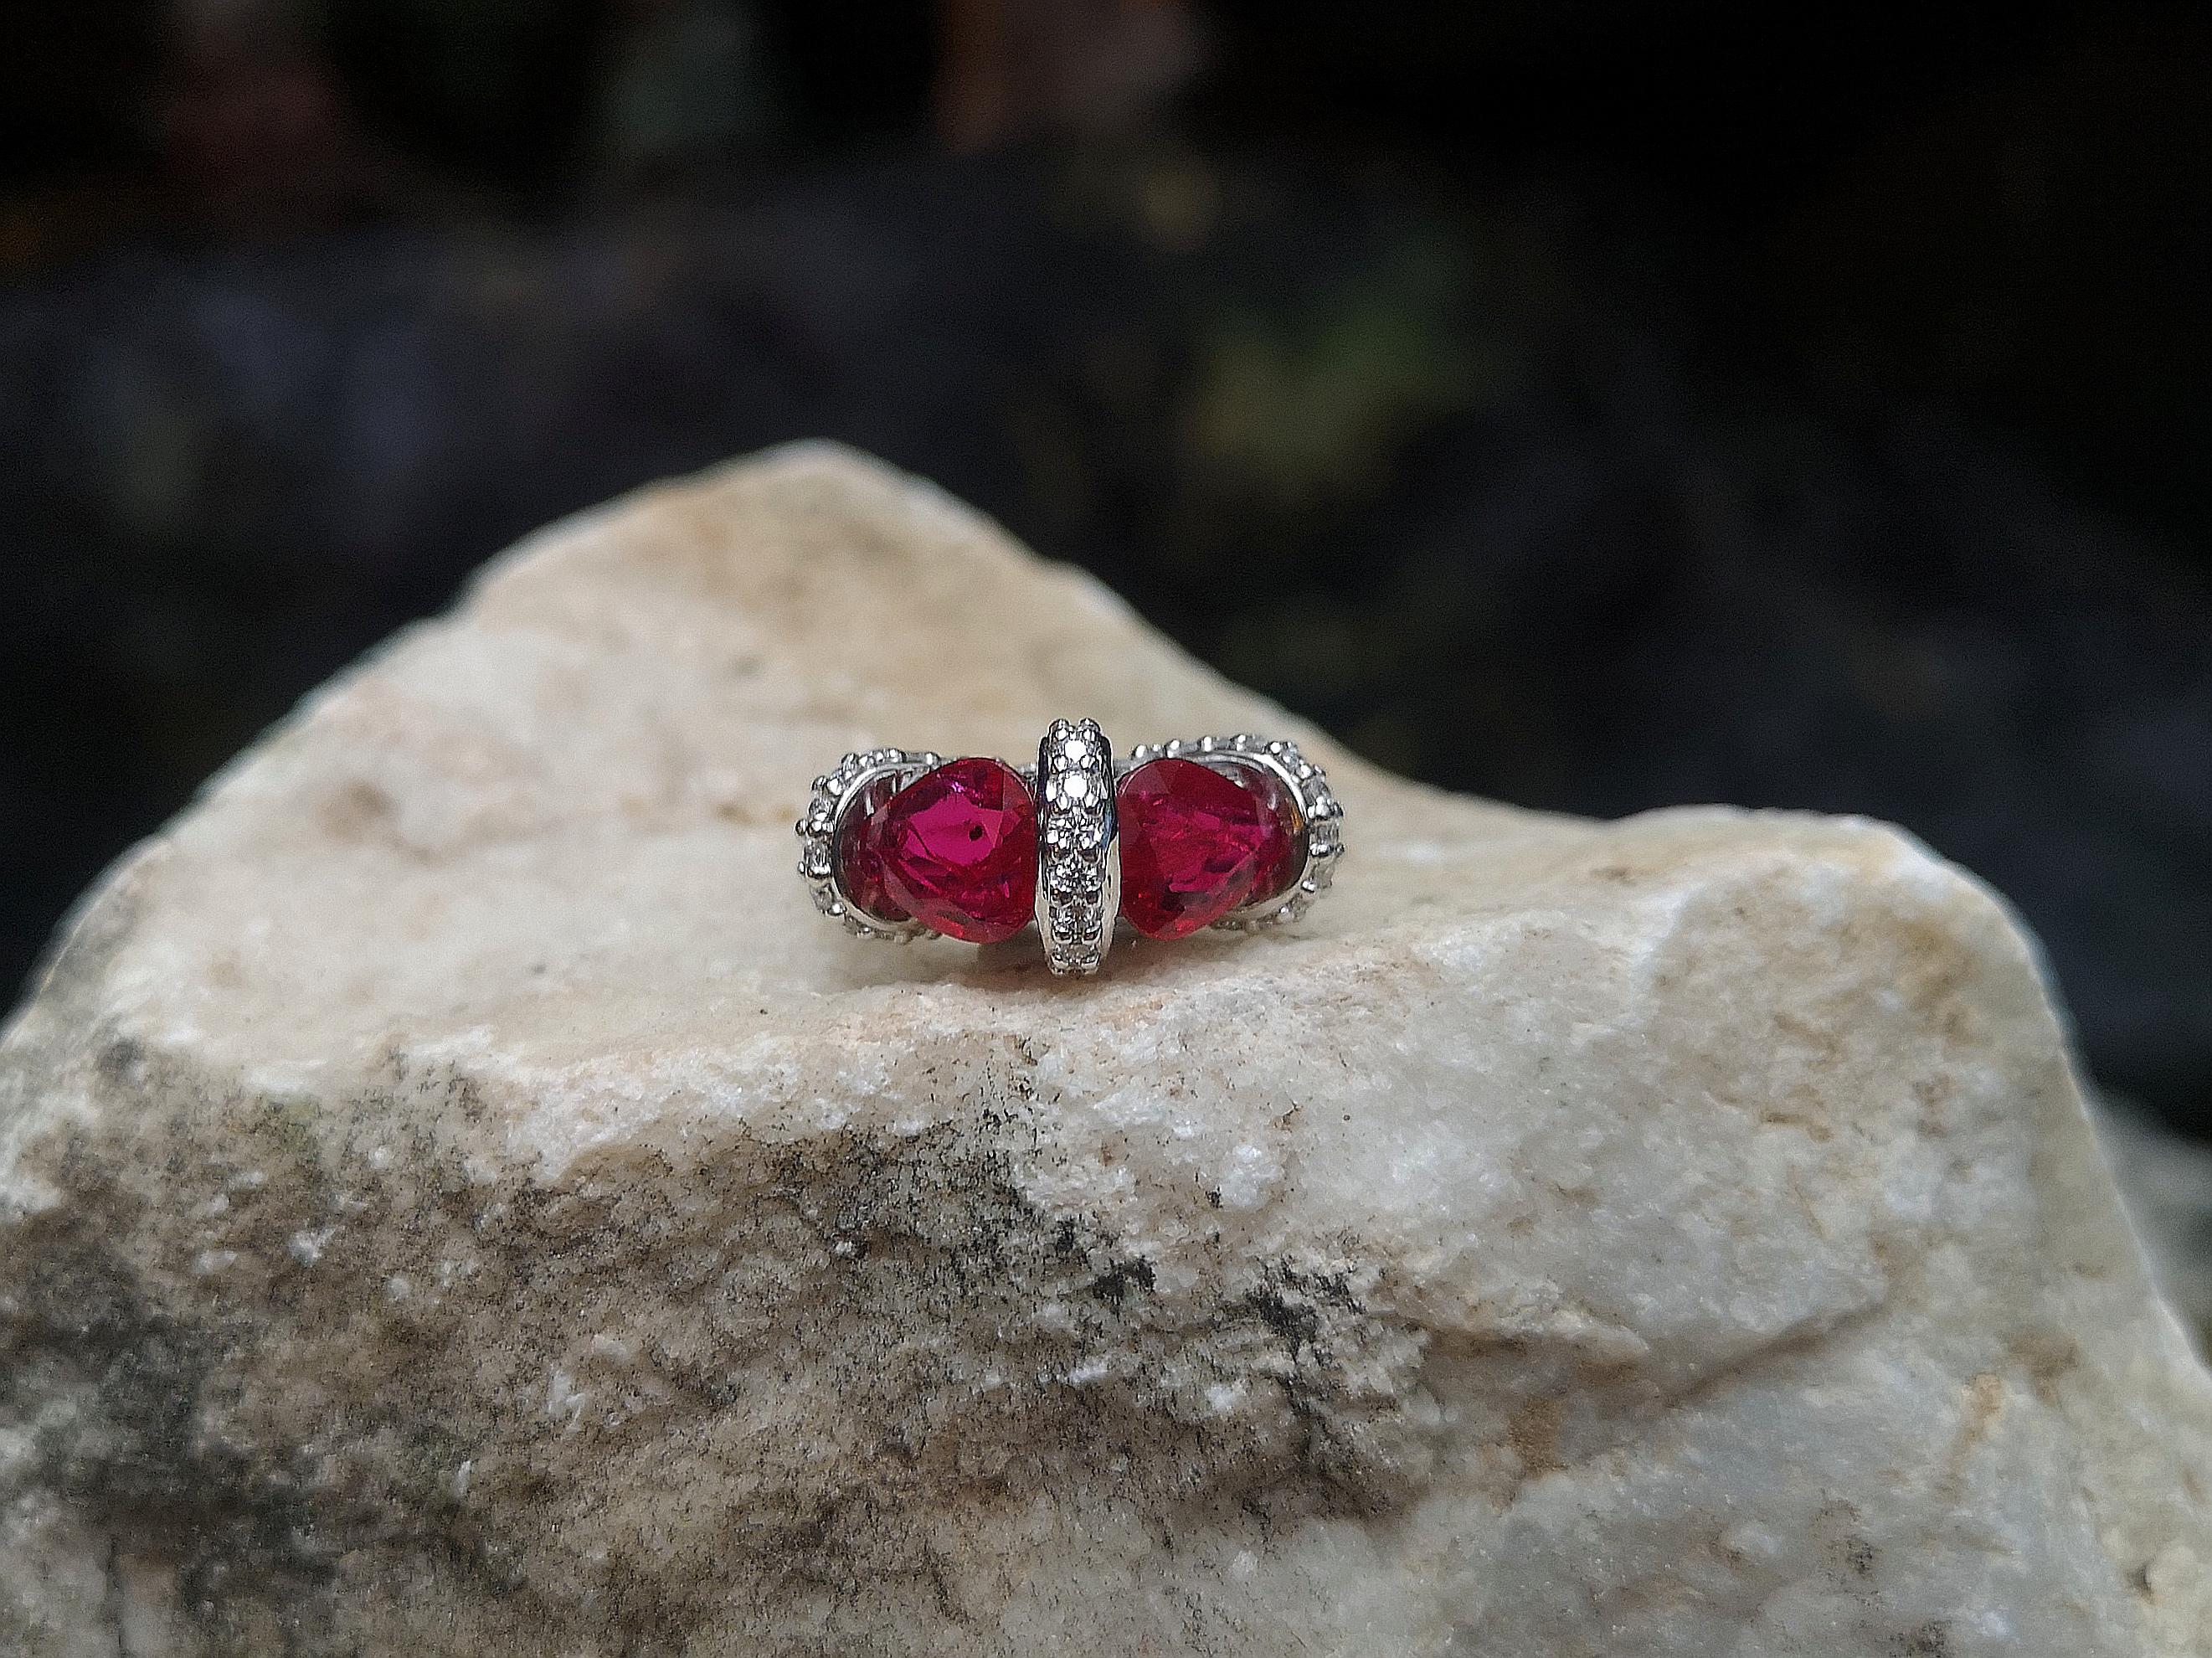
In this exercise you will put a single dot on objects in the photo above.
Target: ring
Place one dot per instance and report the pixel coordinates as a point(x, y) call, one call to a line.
point(1237, 832)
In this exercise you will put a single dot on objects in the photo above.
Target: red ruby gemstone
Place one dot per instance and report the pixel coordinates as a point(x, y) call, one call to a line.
point(1282, 857)
point(1197, 842)
point(860, 857)
point(958, 850)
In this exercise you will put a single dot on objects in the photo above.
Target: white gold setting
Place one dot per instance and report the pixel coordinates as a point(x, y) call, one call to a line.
point(1321, 818)
point(836, 796)
point(1074, 783)
point(1078, 847)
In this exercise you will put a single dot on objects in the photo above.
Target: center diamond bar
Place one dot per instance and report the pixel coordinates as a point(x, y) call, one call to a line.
point(1078, 851)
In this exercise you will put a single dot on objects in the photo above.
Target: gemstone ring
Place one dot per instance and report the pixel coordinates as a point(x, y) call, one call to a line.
point(1238, 832)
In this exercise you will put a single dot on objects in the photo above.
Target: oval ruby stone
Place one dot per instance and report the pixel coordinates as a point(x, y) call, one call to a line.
point(1196, 843)
point(958, 850)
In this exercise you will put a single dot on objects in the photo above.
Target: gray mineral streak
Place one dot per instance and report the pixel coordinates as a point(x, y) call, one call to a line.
point(457, 1197)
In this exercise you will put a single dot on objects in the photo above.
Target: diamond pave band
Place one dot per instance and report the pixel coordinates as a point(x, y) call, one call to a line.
point(1079, 889)
point(1236, 832)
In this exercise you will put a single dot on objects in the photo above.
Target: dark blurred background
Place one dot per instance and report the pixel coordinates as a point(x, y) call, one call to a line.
point(1594, 404)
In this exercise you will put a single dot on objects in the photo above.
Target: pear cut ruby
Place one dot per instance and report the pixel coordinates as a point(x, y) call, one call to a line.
point(1198, 842)
point(956, 849)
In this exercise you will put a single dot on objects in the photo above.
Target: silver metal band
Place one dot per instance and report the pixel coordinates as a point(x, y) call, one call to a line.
point(1079, 846)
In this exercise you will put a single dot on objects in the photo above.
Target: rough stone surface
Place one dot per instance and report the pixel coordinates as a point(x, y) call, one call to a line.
point(457, 1196)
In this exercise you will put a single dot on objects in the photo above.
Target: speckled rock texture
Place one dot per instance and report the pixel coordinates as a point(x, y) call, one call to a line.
point(457, 1197)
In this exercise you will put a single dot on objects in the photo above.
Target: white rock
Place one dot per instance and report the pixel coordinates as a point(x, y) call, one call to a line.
point(2165, 1185)
point(1680, 1236)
